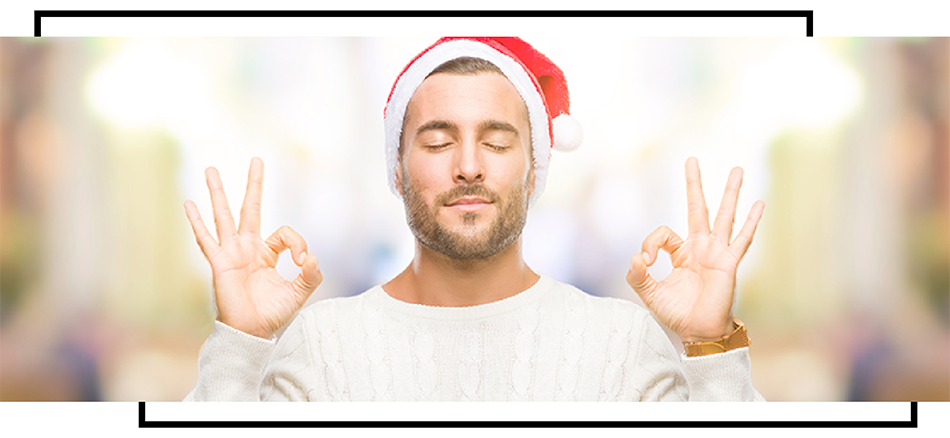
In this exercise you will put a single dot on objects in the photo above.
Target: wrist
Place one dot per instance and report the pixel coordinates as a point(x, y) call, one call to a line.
point(737, 338)
point(258, 333)
point(709, 334)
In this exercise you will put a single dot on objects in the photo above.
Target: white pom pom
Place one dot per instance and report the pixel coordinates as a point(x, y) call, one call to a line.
point(568, 134)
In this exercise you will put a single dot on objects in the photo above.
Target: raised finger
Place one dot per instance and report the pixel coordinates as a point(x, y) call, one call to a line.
point(742, 241)
point(284, 238)
point(205, 240)
point(661, 238)
point(727, 208)
point(695, 201)
point(251, 208)
point(223, 221)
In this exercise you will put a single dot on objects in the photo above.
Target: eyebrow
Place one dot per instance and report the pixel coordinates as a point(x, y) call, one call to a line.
point(495, 125)
point(437, 125)
point(487, 125)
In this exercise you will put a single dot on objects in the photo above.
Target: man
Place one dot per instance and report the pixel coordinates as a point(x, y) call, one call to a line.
point(468, 139)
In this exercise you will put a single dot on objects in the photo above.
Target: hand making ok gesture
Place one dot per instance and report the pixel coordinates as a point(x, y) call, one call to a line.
point(249, 293)
point(695, 300)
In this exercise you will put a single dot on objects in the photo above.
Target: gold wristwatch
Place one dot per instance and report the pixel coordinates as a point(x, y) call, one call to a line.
point(737, 339)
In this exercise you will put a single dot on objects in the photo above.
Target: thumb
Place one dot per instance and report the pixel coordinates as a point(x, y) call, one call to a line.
point(639, 279)
point(309, 278)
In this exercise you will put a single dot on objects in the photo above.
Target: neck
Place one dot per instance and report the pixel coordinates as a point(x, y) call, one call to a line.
point(436, 280)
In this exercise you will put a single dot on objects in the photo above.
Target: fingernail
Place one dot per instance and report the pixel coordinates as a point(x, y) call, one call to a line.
point(646, 257)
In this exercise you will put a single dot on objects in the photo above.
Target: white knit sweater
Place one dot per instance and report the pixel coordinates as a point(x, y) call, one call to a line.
point(551, 342)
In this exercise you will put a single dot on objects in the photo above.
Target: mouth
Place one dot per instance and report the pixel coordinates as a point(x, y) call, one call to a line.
point(468, 203)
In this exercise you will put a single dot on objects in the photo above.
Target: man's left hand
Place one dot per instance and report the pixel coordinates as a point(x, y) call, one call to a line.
point(695, 300)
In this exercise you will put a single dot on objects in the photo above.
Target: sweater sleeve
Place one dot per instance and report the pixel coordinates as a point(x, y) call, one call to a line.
point(657, 374)
point(231, 366)
point(662, 376)
point(235, 366)
point(291, 374)
point(721, 377)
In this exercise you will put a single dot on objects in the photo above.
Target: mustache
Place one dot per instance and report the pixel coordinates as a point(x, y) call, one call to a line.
point(478, 190)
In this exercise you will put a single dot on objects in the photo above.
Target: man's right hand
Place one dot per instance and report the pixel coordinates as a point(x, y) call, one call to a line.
point(250, 295)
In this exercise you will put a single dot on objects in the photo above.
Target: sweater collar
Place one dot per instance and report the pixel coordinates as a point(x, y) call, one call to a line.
point(377, 296)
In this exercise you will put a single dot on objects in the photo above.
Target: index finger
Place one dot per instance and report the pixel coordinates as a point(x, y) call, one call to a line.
point(695, 201)
point(251, 208)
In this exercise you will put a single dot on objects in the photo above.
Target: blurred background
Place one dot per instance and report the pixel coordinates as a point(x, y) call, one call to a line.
point(106, 295)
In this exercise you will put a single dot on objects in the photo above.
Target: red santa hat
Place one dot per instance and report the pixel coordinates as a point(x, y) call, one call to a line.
point(539, 81)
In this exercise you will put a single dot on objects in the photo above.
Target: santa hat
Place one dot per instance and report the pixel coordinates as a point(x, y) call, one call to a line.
point(540, 83)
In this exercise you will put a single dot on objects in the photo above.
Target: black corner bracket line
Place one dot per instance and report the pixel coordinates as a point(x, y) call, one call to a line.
point(910, 424)
point(39, 14)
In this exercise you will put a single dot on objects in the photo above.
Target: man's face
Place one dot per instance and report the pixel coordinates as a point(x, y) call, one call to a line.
point(465, 172)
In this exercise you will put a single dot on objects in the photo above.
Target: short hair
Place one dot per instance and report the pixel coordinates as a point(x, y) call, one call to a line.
point(465, 65)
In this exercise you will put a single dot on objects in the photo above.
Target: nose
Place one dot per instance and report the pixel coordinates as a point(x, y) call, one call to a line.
point(469, 167)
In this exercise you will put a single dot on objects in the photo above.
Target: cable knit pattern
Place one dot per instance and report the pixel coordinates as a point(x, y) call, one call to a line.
point(329, 357)
point(526, 341)
point(550, 342)
point(617, 345)
point(424, 348)
point(574, 324)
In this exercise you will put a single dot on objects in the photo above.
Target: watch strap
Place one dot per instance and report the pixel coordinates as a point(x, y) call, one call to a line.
point(737, 339)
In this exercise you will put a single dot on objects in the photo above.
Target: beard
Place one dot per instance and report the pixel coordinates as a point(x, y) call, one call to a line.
point(470, 242)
